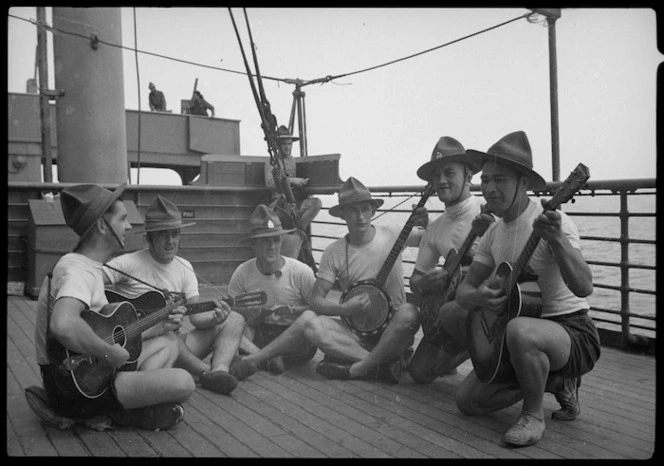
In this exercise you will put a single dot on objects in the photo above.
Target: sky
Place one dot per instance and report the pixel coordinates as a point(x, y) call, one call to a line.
point(385, 122)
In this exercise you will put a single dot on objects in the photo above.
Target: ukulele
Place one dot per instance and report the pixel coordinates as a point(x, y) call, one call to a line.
point(434, 300)
point(486, 329)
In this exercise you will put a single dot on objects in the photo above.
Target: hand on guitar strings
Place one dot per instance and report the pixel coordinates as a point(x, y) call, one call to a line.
point(491, 296)
point(118, 357)
point(434, 279)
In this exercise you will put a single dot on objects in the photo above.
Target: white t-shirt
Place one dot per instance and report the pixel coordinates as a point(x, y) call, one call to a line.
point(505, 241)
point(447, 232)
point(293, 286)
point(350, 264)
point(74, 276)
point(178, 276)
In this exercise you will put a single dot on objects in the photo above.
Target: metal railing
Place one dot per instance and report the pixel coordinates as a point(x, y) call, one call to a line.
point(636, 328)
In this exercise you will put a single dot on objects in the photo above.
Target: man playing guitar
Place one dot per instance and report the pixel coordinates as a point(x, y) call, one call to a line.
point(451, 172)
point(217, 332)
point(548, 353)
point(147, 397)
point(356, 257)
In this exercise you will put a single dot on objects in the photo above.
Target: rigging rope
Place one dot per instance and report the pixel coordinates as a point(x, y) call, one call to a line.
point(323, 80)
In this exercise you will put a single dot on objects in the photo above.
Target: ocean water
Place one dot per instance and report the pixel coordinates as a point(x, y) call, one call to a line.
point(640, 228)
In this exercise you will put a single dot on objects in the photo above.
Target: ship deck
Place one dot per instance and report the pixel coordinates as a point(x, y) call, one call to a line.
point(301, 414)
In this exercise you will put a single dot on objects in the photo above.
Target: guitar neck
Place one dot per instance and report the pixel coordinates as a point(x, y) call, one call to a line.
point(204, 306)
point(455, 262)
point(401, 240)
point(135, 329)
point(156, 317)
point(522, 261)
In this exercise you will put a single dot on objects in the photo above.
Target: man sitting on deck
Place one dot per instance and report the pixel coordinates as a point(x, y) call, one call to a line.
point(547, 353)
point(217, 332)
point(147, 397)
point(288, 284)
point(360, 255)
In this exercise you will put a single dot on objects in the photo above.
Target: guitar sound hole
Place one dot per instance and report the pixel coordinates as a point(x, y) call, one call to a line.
point(119, 336)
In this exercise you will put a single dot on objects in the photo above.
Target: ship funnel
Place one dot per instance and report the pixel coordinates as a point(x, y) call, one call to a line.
point(90, 117)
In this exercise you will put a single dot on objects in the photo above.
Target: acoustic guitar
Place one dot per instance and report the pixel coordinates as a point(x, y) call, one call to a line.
point(486, 329)
point(434, 300)
point(119, 323)
point(375, 318)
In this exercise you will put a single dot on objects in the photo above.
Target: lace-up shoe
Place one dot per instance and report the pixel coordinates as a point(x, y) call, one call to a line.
point(218, 381)
point(527, 431)
point(568, 397)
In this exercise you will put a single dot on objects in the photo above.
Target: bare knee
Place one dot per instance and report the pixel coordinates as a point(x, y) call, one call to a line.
point(182, 384)
point(466, 401)
point(407, 318)
point(468, 406)
point(314, 329)
point(520, 335)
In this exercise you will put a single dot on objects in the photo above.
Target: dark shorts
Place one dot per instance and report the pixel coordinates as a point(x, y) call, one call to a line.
point(70, 402)
point(265, 333)
point(585, 346)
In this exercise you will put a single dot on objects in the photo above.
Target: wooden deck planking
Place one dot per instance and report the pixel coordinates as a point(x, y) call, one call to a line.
point(301, 414)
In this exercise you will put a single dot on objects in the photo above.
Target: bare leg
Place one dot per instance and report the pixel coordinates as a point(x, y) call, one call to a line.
point(334, 339)
point(222, 341)
point(291, 245)
point(290, 339)
point(308, 210)
point(189, 361)
point(433, 360)
point(397, 337)
point(158, 352)
point(145, 388)
point(475, 398)
point(536, 346)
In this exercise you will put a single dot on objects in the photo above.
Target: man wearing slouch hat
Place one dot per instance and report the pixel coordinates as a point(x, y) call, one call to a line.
point(148, 397)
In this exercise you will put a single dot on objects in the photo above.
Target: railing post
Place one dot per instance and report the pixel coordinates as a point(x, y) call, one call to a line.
point(629, 339)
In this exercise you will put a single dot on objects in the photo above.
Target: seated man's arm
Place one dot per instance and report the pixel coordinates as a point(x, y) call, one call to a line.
point(68, 327)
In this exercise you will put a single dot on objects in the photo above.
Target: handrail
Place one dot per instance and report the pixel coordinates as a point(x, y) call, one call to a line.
point(623, 189)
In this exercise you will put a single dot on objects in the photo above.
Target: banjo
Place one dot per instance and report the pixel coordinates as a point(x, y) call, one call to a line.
point(374, 319)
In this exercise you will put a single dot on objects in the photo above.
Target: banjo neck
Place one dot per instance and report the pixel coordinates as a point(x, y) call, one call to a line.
point(399, 244)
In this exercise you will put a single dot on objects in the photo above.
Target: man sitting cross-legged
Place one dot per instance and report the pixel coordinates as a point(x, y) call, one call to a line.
point(147, 397)
point(216, 333)
point(288, 284)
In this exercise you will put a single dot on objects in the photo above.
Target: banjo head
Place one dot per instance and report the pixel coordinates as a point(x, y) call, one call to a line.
point(374, 319)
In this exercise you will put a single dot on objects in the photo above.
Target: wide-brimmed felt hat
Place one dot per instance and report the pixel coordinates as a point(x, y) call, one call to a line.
point(447, 150)
point(162, 214)
point(350, 192)
point(264, 223)
point(512, 150)
point(83, 204)
point(284, 133)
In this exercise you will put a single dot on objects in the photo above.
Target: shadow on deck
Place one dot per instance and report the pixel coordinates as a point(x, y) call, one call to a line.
point(301, 414)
